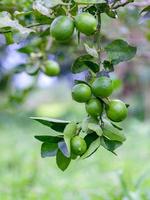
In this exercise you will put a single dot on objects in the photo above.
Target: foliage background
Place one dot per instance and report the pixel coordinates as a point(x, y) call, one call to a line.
point(24, 175)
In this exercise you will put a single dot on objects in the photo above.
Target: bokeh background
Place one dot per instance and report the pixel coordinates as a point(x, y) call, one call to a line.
point(23, 174)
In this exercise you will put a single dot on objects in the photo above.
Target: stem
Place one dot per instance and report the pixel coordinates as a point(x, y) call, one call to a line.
point(28, 26)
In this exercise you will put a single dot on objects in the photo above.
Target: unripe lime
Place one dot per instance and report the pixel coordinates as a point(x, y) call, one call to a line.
point(51, 68)
point(102, 87)
point(81, 92)
point(94, 107)
point(86, 23)
point(70, 129)
point(62, 28)
point(116, 110)
point(78, 145)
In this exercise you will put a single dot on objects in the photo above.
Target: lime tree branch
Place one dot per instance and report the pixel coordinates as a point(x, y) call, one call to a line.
point(28, 26)
point(122, 4)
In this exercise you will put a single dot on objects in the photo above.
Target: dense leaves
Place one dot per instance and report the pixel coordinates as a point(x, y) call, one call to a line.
point(70, 140)
point(8, 24)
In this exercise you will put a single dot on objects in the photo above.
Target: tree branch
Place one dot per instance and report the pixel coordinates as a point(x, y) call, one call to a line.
point(28, 26)
point(122, 4)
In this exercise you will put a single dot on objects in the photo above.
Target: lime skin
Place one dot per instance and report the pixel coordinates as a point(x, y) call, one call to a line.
point(78, 145)
point(51, 68)
point(102, 87)
point(62, 28)
point(86, 23)
point(116, 110)
point(81, 93)
point(94, 107)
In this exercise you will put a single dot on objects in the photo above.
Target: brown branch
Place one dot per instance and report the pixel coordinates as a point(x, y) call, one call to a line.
point(122, 4)
point(28, 26)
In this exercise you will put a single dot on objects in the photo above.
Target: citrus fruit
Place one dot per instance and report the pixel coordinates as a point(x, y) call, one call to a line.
point(81, 92)
point(102, 87)
point(94, 107)
point(116, 110)
point(62, 28)
point(86, 23)
point(78, 145)
point(51, 68)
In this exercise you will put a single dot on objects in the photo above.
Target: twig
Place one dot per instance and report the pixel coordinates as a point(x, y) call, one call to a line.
point(122, 4)
point(28, 26)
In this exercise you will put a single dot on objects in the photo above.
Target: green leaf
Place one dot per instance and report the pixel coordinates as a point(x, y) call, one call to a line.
point(110, 145)
point(89, 1)
point(92, 148)
point(119, 51)
point(80, 81)
point(62, 161)
point(116, 126)
point(69, 132)
point(95, 128)
point(146, 9)
point(42, 9)
point(63, 148)
point(83, 63)
point(79, 65)
point(111, 13)
point(108, 65)
point(90, 138)
point(53, 3)
point(9, 38)
point(145, 17)
point(92, 66)
point(26, 49)
point(48, 149)
point(55, 124)
point(47, 138)
point(91, 51)
point(39, 6)
point(112, 133)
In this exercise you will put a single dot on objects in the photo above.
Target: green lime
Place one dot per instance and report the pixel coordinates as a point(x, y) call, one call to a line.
point(62, 28)
point(51, 68)
point(86, 23)
point(78, 145)
point(81, 92)
point(116, 110)
point(94, 107)
point(102, 87)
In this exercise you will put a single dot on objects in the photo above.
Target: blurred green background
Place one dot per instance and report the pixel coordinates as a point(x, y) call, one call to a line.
point(23, 174)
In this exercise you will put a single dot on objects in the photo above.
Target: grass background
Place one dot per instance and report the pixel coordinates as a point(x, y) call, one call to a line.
point(26, 176)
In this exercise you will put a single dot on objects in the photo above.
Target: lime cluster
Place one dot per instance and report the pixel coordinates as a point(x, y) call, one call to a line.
point(95, 97)
point(62, 28)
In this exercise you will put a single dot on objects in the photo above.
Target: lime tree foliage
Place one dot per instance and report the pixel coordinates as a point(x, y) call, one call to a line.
point(61, 21)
